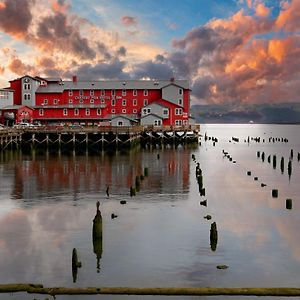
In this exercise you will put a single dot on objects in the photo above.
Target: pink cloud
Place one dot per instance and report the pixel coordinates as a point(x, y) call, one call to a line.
point(129, 21)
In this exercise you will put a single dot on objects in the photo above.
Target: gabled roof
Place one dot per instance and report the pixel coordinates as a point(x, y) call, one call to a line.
point(151, 114)
point(111, 85)
point(16, 107)
point(155, 103)
point(34, 78)
point(124, 117)
point(176, 84)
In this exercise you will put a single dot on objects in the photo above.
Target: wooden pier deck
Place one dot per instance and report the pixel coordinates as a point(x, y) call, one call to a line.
point(96, 138)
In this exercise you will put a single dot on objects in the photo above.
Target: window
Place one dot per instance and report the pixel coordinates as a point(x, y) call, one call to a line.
point(98, 111)
point(102, 101)
point(92, 92)
point(145, 102)
point(134, 102)
point(45, 101)
point(76, 111)
point(145, 92)
point(81, 101)
point(113, 92)
point(70, 101)
point(178, 122)
point(144, 111)
point(123, 92)
point(185, 122)
point(28, 96)
point(165, 112)
point(178, 111)
point(41, 112)
point(113, 111)
point(113, 102)
point(134, 92)
point(27, 86)
point(92, 101)
point(102, 92)
point(123, 111)
point(87, 111)
point(55, 101)
point(70, 93)
point(180, 91)
point(65, 112)
point(120, 123)
point(124, 102)
point(157, 122)
point(25, 96)
point(134, 111)
point(180, 101)
point(81, 93)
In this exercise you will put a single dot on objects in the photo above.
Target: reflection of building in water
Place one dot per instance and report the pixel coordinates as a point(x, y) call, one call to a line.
point(57, 175)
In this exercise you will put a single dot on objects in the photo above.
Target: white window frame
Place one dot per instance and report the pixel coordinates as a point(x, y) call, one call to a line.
point(145, 92)
point(157, 122)
point(92, 100)
point(165, 111)
point(70, 101)
point(134, 111)
point(81, 93)
point(113, 102)
point(123, 102)
point(180, 101)
point(87, 112)
point(178, 111)
point(98, 111)
point(123, 92)
point(92, 92)
point(65, 111)
point(41, 111)
point(113, 111)
point(55, 101)
point(76, 111)
point(113, 92)
point(180, 91)
point(134, 102)
point(81, 101)
point(120, 123)
point(178, 122)
point(145, 102)
point(134, 92)
point(124, 111)
point(102, 93)
point(70, 93)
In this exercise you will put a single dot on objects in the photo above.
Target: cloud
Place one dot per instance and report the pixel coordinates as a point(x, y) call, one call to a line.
point(129, 21)
point(288, 18)
point(261, 10)
point(15, 17)
point(18, 67)
point(152, 70)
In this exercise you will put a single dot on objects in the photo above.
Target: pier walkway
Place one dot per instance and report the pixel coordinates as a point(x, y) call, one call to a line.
point(97, 138)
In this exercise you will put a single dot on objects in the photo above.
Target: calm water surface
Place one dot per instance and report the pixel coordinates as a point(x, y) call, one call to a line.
point(160, 238)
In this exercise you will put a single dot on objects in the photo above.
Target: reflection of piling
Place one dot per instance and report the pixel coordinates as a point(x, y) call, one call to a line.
point(282, 164)
point(107, 191)
point(292, 154)
point(258, 153)
point(269, 159)
point(298, 156)
point(132, 191)
point(275, 193)
point(213, 236)
point(274, 161)
point(75, 264)
point(97, 236)
point(263, 156)
point(137, 183)
point(290, 168)
point(146, 172)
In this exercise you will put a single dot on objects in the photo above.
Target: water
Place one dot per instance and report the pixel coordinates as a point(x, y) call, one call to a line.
point(160, 238)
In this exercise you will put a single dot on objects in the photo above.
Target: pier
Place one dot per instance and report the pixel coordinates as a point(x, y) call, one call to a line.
point(95, 138)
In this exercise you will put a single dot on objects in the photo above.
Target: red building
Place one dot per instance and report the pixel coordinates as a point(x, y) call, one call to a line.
point(123, 102)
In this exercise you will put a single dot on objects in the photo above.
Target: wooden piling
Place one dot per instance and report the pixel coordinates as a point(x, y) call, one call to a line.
point(213, 236)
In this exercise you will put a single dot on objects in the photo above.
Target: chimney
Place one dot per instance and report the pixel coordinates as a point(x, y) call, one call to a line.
point(74, 78)
point(172, 79)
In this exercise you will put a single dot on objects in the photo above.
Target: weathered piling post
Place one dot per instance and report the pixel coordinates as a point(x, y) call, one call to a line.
point(75, 264)
point(97, 235)
point(288, 204)
point(213, 236)
point(258, 153)
point(107, 191)
point(275, 193)
point(282, 164)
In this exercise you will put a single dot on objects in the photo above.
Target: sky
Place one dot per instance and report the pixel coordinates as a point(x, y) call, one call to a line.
point(232, 52)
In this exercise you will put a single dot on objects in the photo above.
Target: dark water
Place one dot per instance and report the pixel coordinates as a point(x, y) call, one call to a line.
point(160, 238)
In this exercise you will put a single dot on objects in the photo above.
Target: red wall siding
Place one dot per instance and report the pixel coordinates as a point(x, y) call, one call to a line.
point(16, 85)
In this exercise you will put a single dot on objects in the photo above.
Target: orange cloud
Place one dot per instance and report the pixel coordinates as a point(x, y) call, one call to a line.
point(261, 10)
point(289, 17)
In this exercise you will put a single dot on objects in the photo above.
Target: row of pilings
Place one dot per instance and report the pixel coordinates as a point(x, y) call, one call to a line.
point(90, 139)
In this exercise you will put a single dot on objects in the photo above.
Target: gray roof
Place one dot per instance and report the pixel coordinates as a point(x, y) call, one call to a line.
point(111, 85)
point(151, 114)
point(16, 107)
point(50, 79)
point(127, 117)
